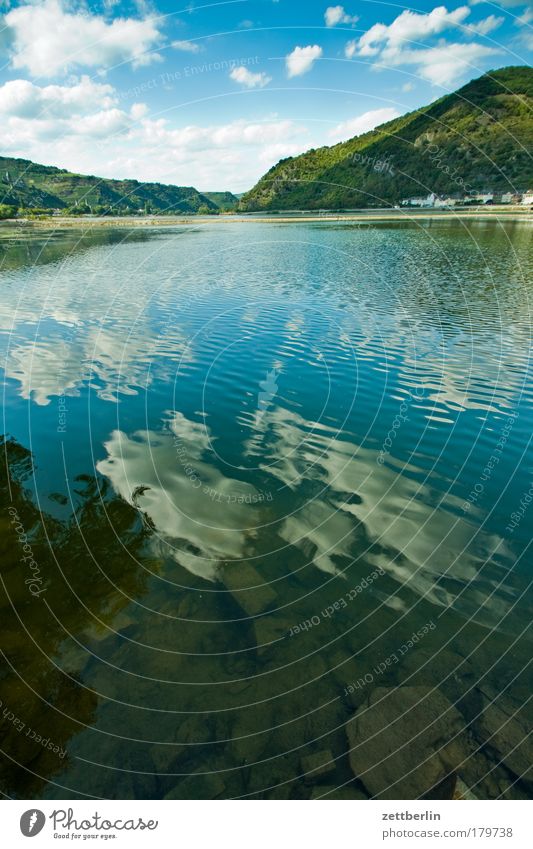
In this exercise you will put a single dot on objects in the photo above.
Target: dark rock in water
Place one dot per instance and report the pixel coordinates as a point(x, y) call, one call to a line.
point(505, 733)
point(445, 790)
point(462, 791)
point(249, 742)
point(268, 631)
point(317, 766)
point(198, 786)
point(248, 588)
point(165, 758)
point(332, 792)
point(405, 741)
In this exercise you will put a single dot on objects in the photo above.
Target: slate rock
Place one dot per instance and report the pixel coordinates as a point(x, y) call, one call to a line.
point(505, 733)
point(317, 766)
point(253, 594)
point(198, 786)
point(405, 741)
point(268, 633)
point(331, 792)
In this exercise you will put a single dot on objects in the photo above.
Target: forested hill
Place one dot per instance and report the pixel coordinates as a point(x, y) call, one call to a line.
point(26, 185)
point(478, 138)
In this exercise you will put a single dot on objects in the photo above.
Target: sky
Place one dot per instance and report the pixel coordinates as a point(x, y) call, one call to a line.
point(213, 94)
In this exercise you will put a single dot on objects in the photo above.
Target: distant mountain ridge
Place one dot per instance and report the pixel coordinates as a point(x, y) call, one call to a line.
point(27, 185)
point(478, 138)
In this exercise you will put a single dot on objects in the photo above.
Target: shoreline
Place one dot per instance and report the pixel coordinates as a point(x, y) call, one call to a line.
point(386, 215)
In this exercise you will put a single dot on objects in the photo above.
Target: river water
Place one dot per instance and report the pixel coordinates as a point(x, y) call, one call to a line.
point(261, 479)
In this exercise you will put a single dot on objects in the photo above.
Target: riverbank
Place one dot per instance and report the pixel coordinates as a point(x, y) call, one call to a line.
point(505, 213)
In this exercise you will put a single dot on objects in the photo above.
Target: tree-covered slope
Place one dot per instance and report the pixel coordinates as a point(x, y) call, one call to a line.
point(478, 138)
point(26, 185)
point(223, 200)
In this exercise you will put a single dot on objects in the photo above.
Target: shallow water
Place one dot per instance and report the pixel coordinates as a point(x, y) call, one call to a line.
point(250, 462)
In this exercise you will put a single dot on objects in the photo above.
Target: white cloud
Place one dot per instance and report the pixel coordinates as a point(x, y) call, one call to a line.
point(187, 46)
point(362, 123)
point(485, 25)
point(407, 87)
point(524, 22)
point(408, 26)
point(247, 78)
point(526, 18)
point(47, 40)
point(32, 114)
point(442, 64)
point(23, 99)
point(302, 59)
point(336, 15)
point(81, 127)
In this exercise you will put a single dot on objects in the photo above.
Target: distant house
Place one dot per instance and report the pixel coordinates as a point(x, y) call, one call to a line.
point(485, 197)
point(527, 198)
point(427, 201)
point(444, 203)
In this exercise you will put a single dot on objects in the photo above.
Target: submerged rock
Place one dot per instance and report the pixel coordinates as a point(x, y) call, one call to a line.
point(462, 792)
point(317, 766)
point(332, 792)
point(505, 732)
point(250, 591)
point(405, 741)
point(198, 786)
point(268, 632)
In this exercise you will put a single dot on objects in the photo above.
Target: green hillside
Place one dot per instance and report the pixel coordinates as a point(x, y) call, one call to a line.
point(225, 201)
point(479, 138)
point(26, 185)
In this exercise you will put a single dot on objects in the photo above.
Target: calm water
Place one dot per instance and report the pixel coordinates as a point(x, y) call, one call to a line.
point(250, 461)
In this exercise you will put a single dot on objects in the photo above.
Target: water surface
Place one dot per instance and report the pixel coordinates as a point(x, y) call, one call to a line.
point(251, 462)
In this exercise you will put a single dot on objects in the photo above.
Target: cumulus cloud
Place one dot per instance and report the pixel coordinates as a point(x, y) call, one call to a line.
point(302, 59)
point(23, 99)
point(47, 40)
point(335, 15)
point(442, 64)
point(186, 46)
point(32, 115)
point(408, 26)
point(82, 127)
point(485, 25)
point(445, 64)
point(362, 123)
point(524, 22)
point(247, 78)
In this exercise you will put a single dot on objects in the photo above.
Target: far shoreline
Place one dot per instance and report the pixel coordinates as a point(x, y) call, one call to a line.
point(499, 213)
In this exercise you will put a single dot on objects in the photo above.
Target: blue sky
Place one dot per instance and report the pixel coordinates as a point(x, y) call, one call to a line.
point(213, 94)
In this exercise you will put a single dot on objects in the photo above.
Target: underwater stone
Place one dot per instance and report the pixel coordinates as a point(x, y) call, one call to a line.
point(332, 792)
point(507, 736)
point(248, 588)
point(405, 741)
point(316, 766)
point(198, 786)
point(268, 632)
